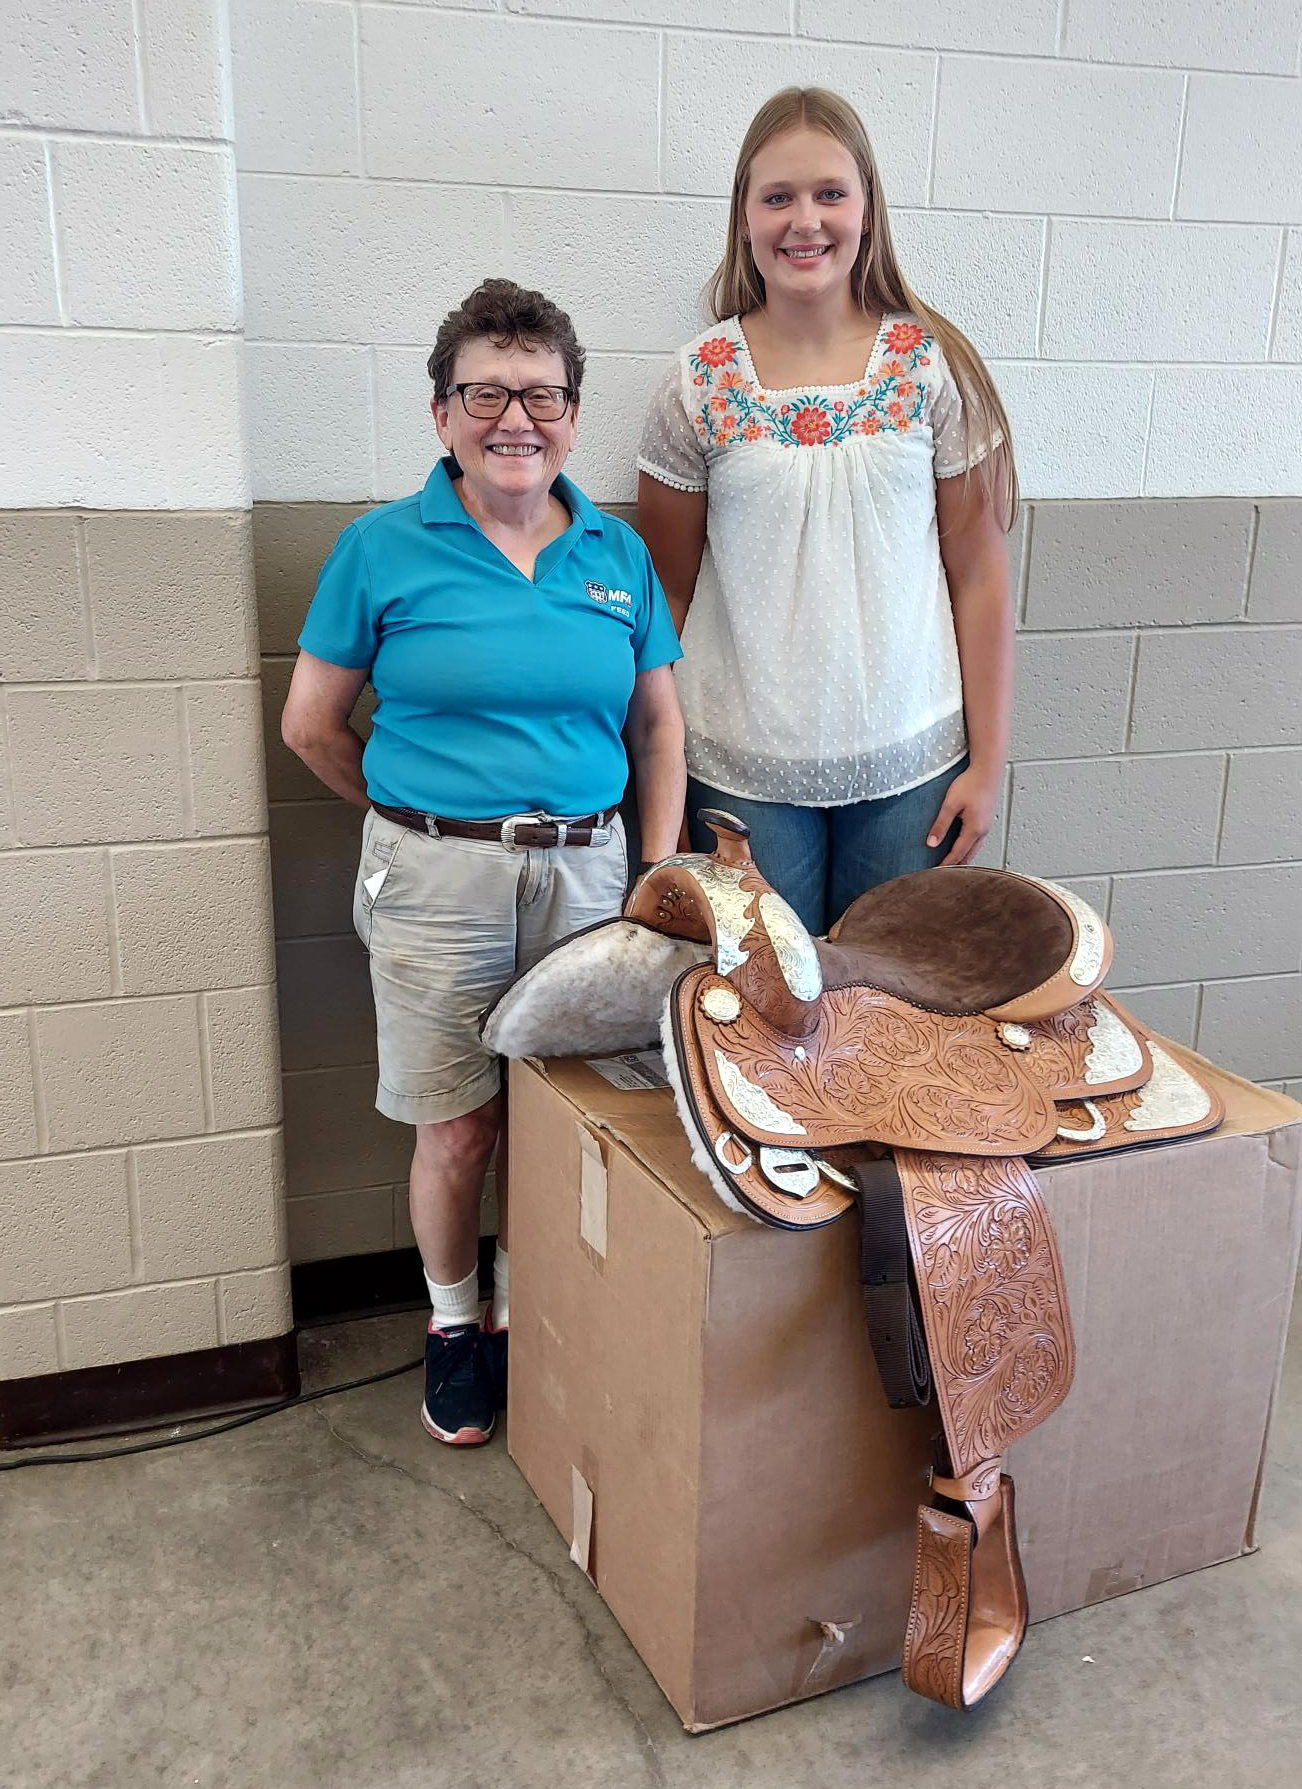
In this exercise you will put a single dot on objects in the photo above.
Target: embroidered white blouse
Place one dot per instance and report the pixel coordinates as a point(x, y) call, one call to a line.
point(820, 661)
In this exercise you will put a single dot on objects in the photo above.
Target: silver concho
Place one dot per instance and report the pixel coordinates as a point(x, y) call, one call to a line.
point(1097, 1127)
point(1090, 945)
point(1114, 1049)
point(721, 1004)
point(1017, 1037)
point(797, 958)
point(753, 1103)
point(1171, 1097)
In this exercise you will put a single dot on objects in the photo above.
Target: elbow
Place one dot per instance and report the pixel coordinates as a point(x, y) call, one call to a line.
point(297, 734)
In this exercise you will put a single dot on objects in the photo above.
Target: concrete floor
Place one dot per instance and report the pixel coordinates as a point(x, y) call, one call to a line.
point(329, 1599)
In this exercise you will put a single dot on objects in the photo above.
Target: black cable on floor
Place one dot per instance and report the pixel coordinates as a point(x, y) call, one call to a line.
point(239, 1422)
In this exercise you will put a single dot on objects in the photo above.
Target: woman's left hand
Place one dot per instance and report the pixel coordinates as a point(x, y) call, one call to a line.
point(970, 799)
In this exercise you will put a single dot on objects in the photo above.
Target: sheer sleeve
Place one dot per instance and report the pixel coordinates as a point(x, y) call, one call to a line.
point(953, 452)
point(669, 450)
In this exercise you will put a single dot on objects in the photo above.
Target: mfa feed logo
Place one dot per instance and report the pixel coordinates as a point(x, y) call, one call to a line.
point(619, 601)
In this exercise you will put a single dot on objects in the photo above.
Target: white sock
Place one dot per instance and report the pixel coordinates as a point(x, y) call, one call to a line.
point(501, 1289)
point(455, 1304)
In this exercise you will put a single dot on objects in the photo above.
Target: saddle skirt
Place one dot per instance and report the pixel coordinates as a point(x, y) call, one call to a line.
point(949, 1031)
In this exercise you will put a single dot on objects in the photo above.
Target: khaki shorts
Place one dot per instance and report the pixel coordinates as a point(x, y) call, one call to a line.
point(447, 923)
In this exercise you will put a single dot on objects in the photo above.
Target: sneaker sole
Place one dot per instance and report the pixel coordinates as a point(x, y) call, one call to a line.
point(464, 1437)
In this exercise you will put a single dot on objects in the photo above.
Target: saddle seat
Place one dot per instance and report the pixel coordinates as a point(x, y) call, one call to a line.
point(961, 941)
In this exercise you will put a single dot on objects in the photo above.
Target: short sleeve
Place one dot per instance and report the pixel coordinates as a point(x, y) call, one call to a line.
point(655, 638)
point(952, 451)
point(340, 625)
point(670, 450)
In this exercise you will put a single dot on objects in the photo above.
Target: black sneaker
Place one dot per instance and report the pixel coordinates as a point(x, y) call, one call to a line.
point(495, 1346)
point(458, 1405)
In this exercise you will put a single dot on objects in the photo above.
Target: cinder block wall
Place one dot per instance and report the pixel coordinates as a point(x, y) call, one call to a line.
point(1156, 762)
point(1102, 195)
point(346, 1165)
point(141, 1162)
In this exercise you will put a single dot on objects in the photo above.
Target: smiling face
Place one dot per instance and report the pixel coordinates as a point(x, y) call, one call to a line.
point(806, 213)
point(510, 456)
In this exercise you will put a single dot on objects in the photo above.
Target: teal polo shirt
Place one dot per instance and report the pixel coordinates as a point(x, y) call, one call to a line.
point(497, 693)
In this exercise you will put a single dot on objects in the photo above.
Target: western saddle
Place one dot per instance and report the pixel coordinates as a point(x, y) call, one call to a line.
point(949, 1032)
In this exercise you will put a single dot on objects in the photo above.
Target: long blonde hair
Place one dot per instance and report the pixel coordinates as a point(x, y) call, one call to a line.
point(737, 286)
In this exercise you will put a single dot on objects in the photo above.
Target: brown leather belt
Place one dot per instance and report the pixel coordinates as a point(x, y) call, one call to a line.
point(518, 832)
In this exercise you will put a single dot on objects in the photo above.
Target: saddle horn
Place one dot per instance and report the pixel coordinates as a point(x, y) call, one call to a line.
point(731, 835)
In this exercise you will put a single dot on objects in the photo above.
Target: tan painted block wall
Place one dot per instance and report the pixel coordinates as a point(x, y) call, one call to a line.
point(346, 1166)
point(1157, 768)
point(141, 1154)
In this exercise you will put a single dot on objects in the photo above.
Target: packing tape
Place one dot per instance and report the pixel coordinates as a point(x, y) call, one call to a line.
point(1111, 1580)
point(592, 1191)
point(581, 1524)
point(835, 1634)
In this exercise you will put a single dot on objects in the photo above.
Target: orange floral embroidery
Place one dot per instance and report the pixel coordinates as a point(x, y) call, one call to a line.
point(810, 425)
point(718, 351)
point(903, 338)
point(733, 409)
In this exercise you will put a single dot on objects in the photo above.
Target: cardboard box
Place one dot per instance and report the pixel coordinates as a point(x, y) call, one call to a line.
point(694, 1400)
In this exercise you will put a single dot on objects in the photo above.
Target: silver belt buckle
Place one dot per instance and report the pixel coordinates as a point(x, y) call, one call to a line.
point(601, 835)
point(509, 825)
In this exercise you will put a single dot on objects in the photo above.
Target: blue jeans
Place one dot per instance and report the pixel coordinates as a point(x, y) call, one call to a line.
point(819, 859)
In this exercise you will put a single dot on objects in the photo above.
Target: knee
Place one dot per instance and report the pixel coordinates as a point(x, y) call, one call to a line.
point(468, 1140)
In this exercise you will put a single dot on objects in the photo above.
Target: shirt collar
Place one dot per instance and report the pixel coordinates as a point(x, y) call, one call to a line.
point(439, 503)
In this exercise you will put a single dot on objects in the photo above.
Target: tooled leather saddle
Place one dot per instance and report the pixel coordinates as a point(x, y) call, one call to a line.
point(949, 1032)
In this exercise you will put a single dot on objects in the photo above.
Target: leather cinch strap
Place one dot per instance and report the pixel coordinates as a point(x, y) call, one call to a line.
point(889, 1303)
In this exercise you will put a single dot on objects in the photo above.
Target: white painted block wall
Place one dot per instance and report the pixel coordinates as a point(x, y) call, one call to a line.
point(121, 301)
point(1099, 192)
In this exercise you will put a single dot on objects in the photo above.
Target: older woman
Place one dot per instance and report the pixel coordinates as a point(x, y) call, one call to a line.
point(511, 631)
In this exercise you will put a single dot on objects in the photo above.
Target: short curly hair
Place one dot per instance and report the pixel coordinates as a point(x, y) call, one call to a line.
point(505, 313)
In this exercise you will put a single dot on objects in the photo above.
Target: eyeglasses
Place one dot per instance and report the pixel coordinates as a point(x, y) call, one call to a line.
point(541, 403)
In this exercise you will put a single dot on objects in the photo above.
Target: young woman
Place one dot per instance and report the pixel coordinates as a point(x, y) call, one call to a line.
point(825, 482)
